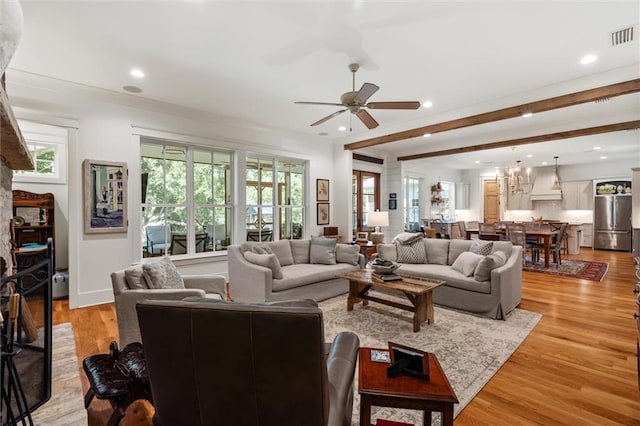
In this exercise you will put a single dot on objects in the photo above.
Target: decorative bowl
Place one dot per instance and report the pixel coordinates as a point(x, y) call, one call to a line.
point(385, 269)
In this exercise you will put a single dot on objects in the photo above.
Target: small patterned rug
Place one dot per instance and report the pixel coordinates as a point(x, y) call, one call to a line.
point(581, 269)
point(470, 348)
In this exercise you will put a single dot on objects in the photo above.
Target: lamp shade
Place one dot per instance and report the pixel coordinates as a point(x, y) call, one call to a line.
point(378, 218)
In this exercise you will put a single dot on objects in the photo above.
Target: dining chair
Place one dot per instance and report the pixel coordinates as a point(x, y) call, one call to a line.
point(555, 226)
point(556, 245)
point(488, 232)
point(516, 234)
point(462, 230)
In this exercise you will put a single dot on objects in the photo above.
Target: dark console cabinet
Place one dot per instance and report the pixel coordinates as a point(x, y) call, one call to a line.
point(34, 224)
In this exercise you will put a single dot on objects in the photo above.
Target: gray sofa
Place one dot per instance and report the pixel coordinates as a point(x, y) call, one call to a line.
point(494, 297)
point(301, 279)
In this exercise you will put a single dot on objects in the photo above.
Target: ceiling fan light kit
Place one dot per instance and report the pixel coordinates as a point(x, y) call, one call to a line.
point(354, 102)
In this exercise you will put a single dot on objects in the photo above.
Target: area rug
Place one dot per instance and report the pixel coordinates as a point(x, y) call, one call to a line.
point(66, 406)
point(581, 269)
point(470, 348)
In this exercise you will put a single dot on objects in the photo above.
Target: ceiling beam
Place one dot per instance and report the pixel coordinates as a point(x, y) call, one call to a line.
point(590, 95)
point(628, 125)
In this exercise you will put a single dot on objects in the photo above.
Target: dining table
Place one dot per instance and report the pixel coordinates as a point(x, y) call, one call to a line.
point(542, 234)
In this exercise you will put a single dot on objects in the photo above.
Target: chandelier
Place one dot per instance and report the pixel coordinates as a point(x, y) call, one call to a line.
point(514, 177)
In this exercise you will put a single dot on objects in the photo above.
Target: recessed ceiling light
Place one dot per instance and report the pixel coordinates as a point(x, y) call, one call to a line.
point(426, 135)
point(137, 73)
point(131, 89)
point(529, 155)
point(588, 59)
point(527, 114)
point(477, 161)
point(427, 104)
point(323, 134)
point(604, 157)
point(544, 163)
point(342, 128)
point(595, 148)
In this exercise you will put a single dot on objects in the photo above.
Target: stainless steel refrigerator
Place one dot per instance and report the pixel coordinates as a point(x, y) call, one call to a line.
point(612, 222)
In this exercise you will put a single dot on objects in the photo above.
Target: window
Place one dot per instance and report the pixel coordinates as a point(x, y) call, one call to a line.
point(412, 204)
point(262, 200)
point(365, 198)
point(186, 199)
point(48, 148)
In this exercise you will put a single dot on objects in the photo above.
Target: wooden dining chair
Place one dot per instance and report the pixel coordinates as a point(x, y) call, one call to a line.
point(564, 242)
point(488, 232)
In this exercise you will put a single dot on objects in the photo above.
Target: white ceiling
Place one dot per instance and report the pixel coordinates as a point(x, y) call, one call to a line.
point(252, 60)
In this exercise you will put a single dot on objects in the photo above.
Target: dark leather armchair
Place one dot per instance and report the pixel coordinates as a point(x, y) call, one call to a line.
point(242, 364)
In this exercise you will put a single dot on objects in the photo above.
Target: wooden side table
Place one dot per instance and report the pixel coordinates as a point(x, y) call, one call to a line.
point(375, 388)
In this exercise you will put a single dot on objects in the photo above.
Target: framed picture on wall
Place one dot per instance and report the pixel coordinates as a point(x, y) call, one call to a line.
point(323, 213)
point(322, 190)
point(393, 204)
point(393, 195)
point(105, 197)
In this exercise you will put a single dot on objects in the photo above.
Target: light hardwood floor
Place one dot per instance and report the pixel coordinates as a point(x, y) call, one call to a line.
point(578, 366)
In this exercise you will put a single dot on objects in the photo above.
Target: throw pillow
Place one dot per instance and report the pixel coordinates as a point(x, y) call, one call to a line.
point(268, 261)
point(466, 263)
point(411, 253)
point(348, 253)
point(282, 250)
point(261, 249)
point(503, 246)
point(488, 264)
point(482, 248)
point(300, 250)
point(387, 252)
point(407, 237)
point(437, 250)
point(322, 251)
point(134, 278)
point(162, 274)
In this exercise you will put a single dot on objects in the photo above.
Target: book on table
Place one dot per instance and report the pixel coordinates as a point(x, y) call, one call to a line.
point(385, 277)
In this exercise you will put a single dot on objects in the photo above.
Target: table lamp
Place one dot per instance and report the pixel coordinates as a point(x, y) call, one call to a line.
point(377, 219)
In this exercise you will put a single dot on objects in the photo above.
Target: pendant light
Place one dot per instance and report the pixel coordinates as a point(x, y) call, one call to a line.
point(556, 183)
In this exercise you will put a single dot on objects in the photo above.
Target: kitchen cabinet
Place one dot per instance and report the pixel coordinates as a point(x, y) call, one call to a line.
point(586, 235)
point(577, 195)
point(519, 200)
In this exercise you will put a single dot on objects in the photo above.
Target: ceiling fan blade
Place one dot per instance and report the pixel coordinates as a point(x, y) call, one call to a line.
point(365, 93)
point(328, 117)
point(394, 105)
point(316, 103)
point(367, 119)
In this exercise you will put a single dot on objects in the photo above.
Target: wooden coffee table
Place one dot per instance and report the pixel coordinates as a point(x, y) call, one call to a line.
point(375, 388)
point(418, 292)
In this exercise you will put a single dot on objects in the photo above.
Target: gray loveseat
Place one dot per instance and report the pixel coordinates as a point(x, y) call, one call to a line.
point(494, 297)
point(299, 279)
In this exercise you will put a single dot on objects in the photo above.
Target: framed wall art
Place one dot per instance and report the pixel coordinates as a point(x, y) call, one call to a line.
point(393, 204)
point(322, 189)
point(323, 214)
point(105, 197)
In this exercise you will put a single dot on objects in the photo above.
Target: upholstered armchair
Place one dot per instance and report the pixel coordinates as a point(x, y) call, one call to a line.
point(127, 292)
point(246, 364)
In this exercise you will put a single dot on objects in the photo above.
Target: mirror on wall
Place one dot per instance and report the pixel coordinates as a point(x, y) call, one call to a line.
point(462, 196)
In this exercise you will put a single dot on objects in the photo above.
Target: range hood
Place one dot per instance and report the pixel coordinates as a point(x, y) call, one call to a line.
point(541, 191)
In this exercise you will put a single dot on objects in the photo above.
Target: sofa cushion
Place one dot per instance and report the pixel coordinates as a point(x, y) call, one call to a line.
point(437, 250)
point(300, 250)
point(411, 252)
point(387, 252)
point(282, 250)
point(322, 251)
point(456, 247)
point(134, 277)
point(445, 273)
point(488, 264)
point(267, 260)
point(348, 253)
point(162, 274)
point(466, 263)
point(503, 246)
point(298, 275)
point(481, 247)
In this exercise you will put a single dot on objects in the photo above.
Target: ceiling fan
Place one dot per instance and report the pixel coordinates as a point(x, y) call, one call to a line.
point(355, 101)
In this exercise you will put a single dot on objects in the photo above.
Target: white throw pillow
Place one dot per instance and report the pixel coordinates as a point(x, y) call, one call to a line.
point(466, 263)
point(322, 251)
point(268, 261)
point(348, 253)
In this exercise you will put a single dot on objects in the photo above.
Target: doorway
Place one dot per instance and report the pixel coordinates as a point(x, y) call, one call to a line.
point(491, 201)
point(365, 197)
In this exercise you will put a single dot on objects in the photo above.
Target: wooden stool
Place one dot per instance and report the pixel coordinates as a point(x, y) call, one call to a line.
point(119, 376)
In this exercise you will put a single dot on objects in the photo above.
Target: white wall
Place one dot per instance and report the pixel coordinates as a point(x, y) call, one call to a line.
point(105, 121)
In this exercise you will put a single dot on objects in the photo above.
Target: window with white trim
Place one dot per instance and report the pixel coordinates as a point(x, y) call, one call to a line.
point(412, 204)
point(48, 148)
